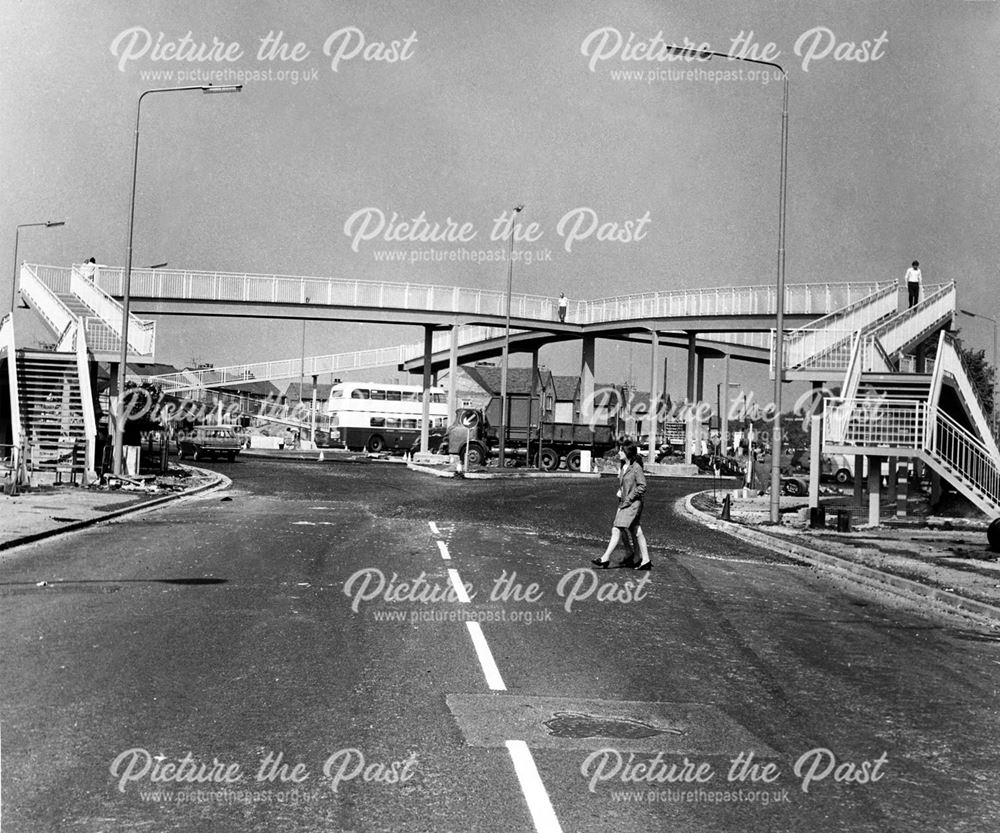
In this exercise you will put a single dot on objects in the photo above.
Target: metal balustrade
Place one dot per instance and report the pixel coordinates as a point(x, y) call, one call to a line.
point(869, 422)
point(962, 452)
point(817, 298)
point(938, 304)
point(141, 334)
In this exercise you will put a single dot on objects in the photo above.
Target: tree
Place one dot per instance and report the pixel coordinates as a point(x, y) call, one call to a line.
point(981, 374)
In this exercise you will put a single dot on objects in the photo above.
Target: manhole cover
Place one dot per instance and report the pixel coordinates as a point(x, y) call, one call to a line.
point(571, 725)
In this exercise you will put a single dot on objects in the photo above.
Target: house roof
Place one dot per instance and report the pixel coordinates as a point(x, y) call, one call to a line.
point(322, 392)
point(254, 388)
point(566, 387)
point(488, 377)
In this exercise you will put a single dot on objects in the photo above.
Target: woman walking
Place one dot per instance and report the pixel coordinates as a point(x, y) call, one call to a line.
point(630, 494)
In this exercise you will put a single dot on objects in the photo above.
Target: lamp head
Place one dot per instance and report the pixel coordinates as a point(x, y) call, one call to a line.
point(226, 88)
point(54, 223)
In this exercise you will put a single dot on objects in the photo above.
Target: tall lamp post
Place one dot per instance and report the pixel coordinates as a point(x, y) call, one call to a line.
point(995, 371)
point(17, 234)
point(506, 342)
point(779, 313)
point(127, 277)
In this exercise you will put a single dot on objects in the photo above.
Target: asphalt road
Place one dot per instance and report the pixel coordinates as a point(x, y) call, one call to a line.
point(293, 655)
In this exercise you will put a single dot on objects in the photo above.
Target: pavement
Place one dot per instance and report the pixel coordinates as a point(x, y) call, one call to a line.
point(941, 562)
point(45, 511)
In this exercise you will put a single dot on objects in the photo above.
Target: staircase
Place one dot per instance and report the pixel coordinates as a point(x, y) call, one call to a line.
point(51, 409)
point(822, 350)
point(886, 414)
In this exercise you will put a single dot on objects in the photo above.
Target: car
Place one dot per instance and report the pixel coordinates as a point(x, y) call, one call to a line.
point(207, 441)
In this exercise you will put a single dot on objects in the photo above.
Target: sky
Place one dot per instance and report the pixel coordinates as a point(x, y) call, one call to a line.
point(458, 111)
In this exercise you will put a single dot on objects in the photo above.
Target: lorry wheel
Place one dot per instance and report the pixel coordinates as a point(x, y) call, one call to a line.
point(476, 454)
point(376, 443)
point(843, 476)
point(549, 459)
point(573, 460)
point(793, 488)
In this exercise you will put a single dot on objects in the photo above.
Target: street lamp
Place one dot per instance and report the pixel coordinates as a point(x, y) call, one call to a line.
point(127, 277)
point(994, 322)
point(17, 234)
point(779, 313)
point(506, 342)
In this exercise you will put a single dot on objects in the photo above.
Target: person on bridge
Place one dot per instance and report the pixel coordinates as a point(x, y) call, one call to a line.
point(89, 270)
point(563, 305)
point(630, 500)
point(913, 278)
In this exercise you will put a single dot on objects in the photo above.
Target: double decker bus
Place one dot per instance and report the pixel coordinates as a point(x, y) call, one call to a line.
point(373, 416)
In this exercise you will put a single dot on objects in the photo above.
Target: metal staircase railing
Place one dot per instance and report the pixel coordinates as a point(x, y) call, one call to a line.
point(86, 400)
point(8, 344)
point(44, 300)
point(906, 328)
point(969, 462)
point(141, 334)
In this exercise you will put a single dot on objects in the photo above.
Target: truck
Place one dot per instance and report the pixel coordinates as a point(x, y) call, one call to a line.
point(560, 442)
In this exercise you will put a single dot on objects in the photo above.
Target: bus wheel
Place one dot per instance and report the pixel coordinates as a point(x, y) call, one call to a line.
point(573, 460)
point(475, 454)
point(549, 459)
point(843, 476)
point(376, 443)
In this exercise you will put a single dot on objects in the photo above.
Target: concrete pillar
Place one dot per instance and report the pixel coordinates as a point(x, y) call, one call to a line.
point(699, 391)
point(692, 370)
point(815, 447)
point(691, 394)
point(587, 378)
point(452, 373)
point(313, 425)
point(534, 410)
point(890, 484)
point(724, 416)
point(426, 409)
point(653, 394)
point(859, 483)
point(903, 486)
point(874, 489)
point(936, 490)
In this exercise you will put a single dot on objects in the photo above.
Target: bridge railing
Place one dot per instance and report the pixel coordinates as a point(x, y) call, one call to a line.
point(818, 298)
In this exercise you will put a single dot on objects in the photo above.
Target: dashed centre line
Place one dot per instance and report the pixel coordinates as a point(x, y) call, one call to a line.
point(535, 794)
point(542, 813)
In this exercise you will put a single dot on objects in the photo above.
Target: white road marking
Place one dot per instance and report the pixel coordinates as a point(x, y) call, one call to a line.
point(444, 550)
point(490, 670)
point(456, 583)
point(434, 528)
point(534, 791)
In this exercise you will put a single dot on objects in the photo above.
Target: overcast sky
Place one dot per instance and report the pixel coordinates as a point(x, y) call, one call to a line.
point(485, 105)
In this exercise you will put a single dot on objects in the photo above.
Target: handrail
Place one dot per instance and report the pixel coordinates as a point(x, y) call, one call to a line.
point(901, 328)
point(86, 400)
point(142, 334)
point(876, 422)
point(287, 289)
point(964, 453)
point(45, 302)
point(948, 348)
point(8, 341)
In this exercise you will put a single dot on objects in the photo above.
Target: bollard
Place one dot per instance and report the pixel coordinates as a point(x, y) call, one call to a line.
point(817, 517)
point(726, 505)
point(843, 520)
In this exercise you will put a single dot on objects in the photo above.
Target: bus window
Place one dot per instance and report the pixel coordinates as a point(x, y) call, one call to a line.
point(411, 396)
point(409, 423)
point(337, 393)
point(393, 396)
point(439, 398)
point(360, 393)
point(391, 422)
point(377, 422)
point(378, 394)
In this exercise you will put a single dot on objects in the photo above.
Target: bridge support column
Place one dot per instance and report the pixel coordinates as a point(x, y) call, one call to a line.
point(874, 489)
point(890, 485)
point(534, 409)
point(692, 393)
point(654, 396)
point(859, 484)
point(724, 410)
point(699, 390)
point(815, 444)
point(901, 474)
point(936, 490)
point(587, 378)
point(426, 409)
point(452, 373)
